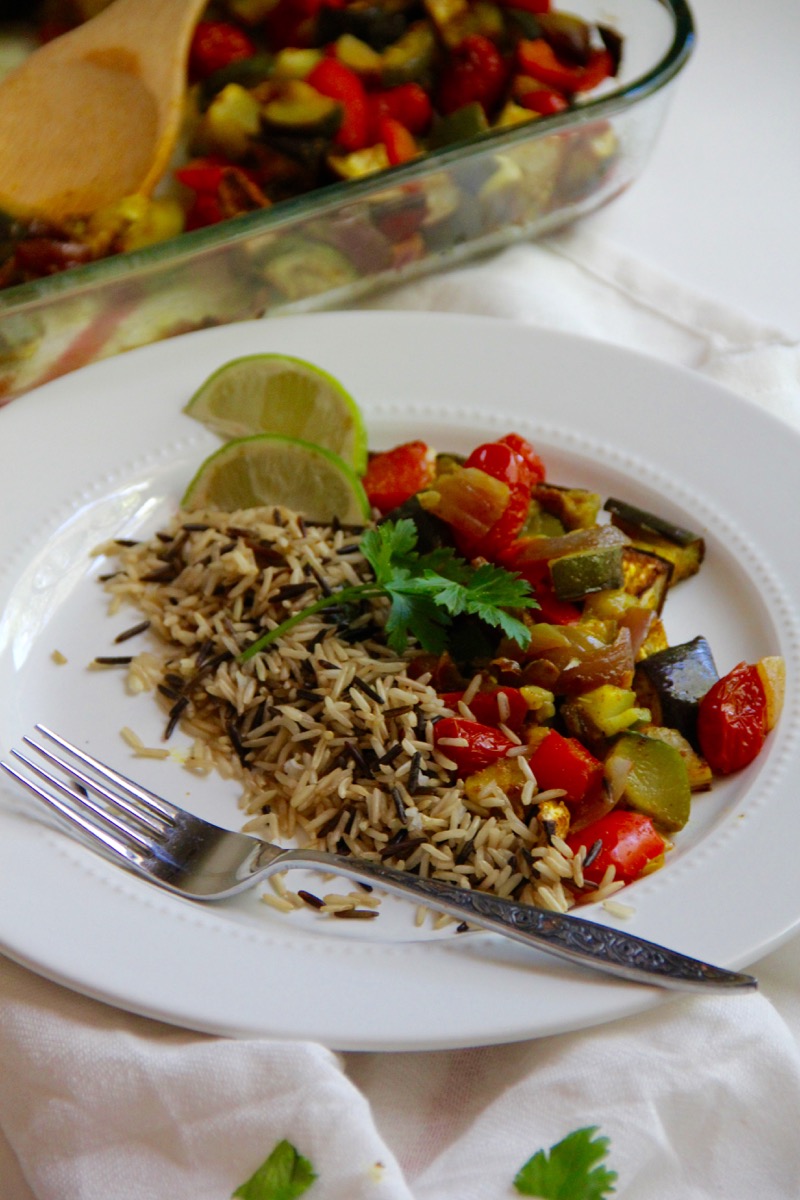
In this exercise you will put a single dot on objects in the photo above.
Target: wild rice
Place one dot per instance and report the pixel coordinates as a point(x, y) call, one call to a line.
point(328, 732)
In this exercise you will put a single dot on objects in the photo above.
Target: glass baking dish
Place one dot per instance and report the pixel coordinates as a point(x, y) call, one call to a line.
point(348, 239)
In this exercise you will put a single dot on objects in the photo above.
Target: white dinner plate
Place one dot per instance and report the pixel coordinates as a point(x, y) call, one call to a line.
point(107, 452)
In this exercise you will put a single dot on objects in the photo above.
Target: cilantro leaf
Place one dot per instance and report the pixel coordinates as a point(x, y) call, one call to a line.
point(570, 1171)
point(283, 1176)
point(426, 592)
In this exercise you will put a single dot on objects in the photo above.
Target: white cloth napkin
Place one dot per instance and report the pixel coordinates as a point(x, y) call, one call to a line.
point(699, 1098)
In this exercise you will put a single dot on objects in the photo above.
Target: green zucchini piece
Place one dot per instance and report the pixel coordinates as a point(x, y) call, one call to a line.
point(596, 570)
point(299, 267)
point(700, 774)
point(379, 24)
point(576, 508)
point(459, 126)
point(410, 59)
point(599, 715)
point(247, 72)
point(301, 109)
point(658, 781)
point(683, 548)
point(646, 577)
point(672, 683)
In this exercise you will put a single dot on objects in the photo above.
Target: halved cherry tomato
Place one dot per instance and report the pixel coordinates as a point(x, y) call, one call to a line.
point(629, 842)
point(732, 720)
point(531, 6)
point(333, 79)
point(486, 707)
point(482, 744)
point(536, 57)
point(396, 475)
point(564, 762)
point(526, 451)
point(505, 463)
point(216, 44)
point(477, 71)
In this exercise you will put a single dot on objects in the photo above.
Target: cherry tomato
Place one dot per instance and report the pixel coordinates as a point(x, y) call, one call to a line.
point(396, 475)
point(216, 44)
point(526, 451)
point(482, 746)
point(486, 706)
point(503, 462)
point(629, 842)
point(333, 79)
point(476, 72)
point(732, 720)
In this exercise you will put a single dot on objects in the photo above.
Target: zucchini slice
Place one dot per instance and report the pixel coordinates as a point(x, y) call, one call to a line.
point(683, 548)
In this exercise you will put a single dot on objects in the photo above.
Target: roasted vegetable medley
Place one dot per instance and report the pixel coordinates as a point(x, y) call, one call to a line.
point(288, 96)
point(624, 725)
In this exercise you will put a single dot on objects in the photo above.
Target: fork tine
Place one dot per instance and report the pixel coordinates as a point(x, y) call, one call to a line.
point(84, 802)
point(73, 816)
point(121, 802)
point(150, 800)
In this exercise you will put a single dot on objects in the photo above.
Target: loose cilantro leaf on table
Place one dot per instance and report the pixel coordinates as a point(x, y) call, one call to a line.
point(570, 1171)
point(426, 592)
point(283, 1176)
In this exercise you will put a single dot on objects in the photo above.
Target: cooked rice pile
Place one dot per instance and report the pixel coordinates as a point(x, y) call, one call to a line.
point(329, 735)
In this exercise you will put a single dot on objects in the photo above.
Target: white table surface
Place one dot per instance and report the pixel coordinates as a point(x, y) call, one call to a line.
point(718, 204)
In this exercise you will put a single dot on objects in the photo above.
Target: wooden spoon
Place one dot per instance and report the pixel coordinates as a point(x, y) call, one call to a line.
point(94, 115)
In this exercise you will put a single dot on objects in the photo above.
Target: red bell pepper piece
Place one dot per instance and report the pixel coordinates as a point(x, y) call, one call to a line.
point(216, 44)
point(482, 744)
point(408, 103)
point(531, 6)
point(333, 79)
point(399, 141)
point(536, 57)
point(564, 762)
point(732, 720)
point(398, 474)
point(476, 71)
point(628, 841)
point(488, 709)
point(543, 100)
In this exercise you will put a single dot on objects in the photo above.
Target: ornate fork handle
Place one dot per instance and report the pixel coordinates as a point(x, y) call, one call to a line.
point(569, 937)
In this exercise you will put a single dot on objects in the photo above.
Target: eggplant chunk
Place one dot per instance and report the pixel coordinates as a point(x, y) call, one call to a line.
point(672, 683)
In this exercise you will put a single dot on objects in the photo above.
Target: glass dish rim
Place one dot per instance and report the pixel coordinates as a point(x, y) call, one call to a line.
point(199, 243)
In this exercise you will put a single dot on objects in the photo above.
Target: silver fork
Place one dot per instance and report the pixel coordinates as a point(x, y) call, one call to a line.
point(200, 861)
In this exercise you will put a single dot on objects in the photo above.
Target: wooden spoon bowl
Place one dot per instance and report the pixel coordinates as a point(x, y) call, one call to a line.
point(95, 114)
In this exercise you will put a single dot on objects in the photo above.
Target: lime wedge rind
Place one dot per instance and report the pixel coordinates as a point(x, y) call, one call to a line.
point(271, 469)
point(286, 395)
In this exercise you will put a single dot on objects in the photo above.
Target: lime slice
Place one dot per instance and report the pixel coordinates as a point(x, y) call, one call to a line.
point(276, 393)
point(270, 469)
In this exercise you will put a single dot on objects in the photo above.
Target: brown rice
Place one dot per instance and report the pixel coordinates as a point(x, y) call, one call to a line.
point(328, 733)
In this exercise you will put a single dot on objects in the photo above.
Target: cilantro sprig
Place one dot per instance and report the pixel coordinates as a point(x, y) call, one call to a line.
point(571, 1171)
point(426, 592)
point(283, 1176)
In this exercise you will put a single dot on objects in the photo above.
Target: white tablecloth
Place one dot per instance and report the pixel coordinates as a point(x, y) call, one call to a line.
point(699, 1098)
